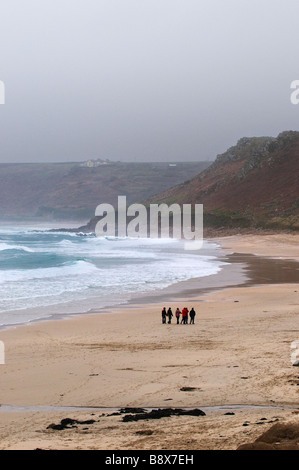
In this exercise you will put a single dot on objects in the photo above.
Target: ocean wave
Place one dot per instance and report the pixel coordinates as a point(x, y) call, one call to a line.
point(78, 268)
point(7, 247)
point(67, 272)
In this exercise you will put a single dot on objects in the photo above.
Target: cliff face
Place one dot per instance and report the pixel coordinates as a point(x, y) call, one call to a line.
point(254, 183)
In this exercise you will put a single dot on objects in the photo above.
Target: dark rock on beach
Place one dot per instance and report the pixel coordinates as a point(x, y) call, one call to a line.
point(189, 389)
point(68, 423)
point(145, 432)
point(162, 413)
point(132, 410)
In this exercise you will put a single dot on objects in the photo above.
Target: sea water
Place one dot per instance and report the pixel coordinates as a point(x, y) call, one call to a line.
point(46, 274)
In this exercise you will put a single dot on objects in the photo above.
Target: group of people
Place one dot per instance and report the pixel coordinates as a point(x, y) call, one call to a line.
point(181, 316)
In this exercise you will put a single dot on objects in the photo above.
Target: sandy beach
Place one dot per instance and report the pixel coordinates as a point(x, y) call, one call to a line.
point(234, 364)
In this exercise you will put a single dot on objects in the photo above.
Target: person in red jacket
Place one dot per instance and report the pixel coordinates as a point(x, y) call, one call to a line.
point(185, 316)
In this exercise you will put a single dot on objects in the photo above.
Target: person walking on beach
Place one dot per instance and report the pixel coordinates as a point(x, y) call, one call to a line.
point(169, 314)
point(192, 316)
point(164, 315)
point(177, 314)
point(185, 316)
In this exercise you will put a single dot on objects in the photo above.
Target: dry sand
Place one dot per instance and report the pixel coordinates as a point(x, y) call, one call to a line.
point(273, 245)
point(236, 359)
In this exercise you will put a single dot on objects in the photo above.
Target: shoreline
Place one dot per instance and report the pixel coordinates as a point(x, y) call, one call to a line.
point(177, 289)
point(131, 300)
point(241, 268)
point(238, 352)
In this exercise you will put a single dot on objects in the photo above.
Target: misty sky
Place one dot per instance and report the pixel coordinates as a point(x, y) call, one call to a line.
point(144, 80)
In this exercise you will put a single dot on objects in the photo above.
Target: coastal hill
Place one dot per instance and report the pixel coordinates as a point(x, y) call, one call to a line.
point(72, 191)
point(253, 184)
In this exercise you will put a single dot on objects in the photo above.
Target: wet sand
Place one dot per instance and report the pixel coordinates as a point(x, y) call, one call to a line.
point(236, 359)
point(242, 270)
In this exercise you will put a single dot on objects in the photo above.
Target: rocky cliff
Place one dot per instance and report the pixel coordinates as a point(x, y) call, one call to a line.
point(253, 184)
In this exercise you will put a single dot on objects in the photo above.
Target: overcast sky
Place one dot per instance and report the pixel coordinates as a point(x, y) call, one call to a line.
point(144, 80)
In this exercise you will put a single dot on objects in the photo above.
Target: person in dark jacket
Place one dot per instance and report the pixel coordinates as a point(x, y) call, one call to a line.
point(164, 313)
point(169, 314)
point(192, 316)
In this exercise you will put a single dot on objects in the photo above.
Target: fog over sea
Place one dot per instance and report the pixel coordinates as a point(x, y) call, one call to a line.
point(46, 274)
